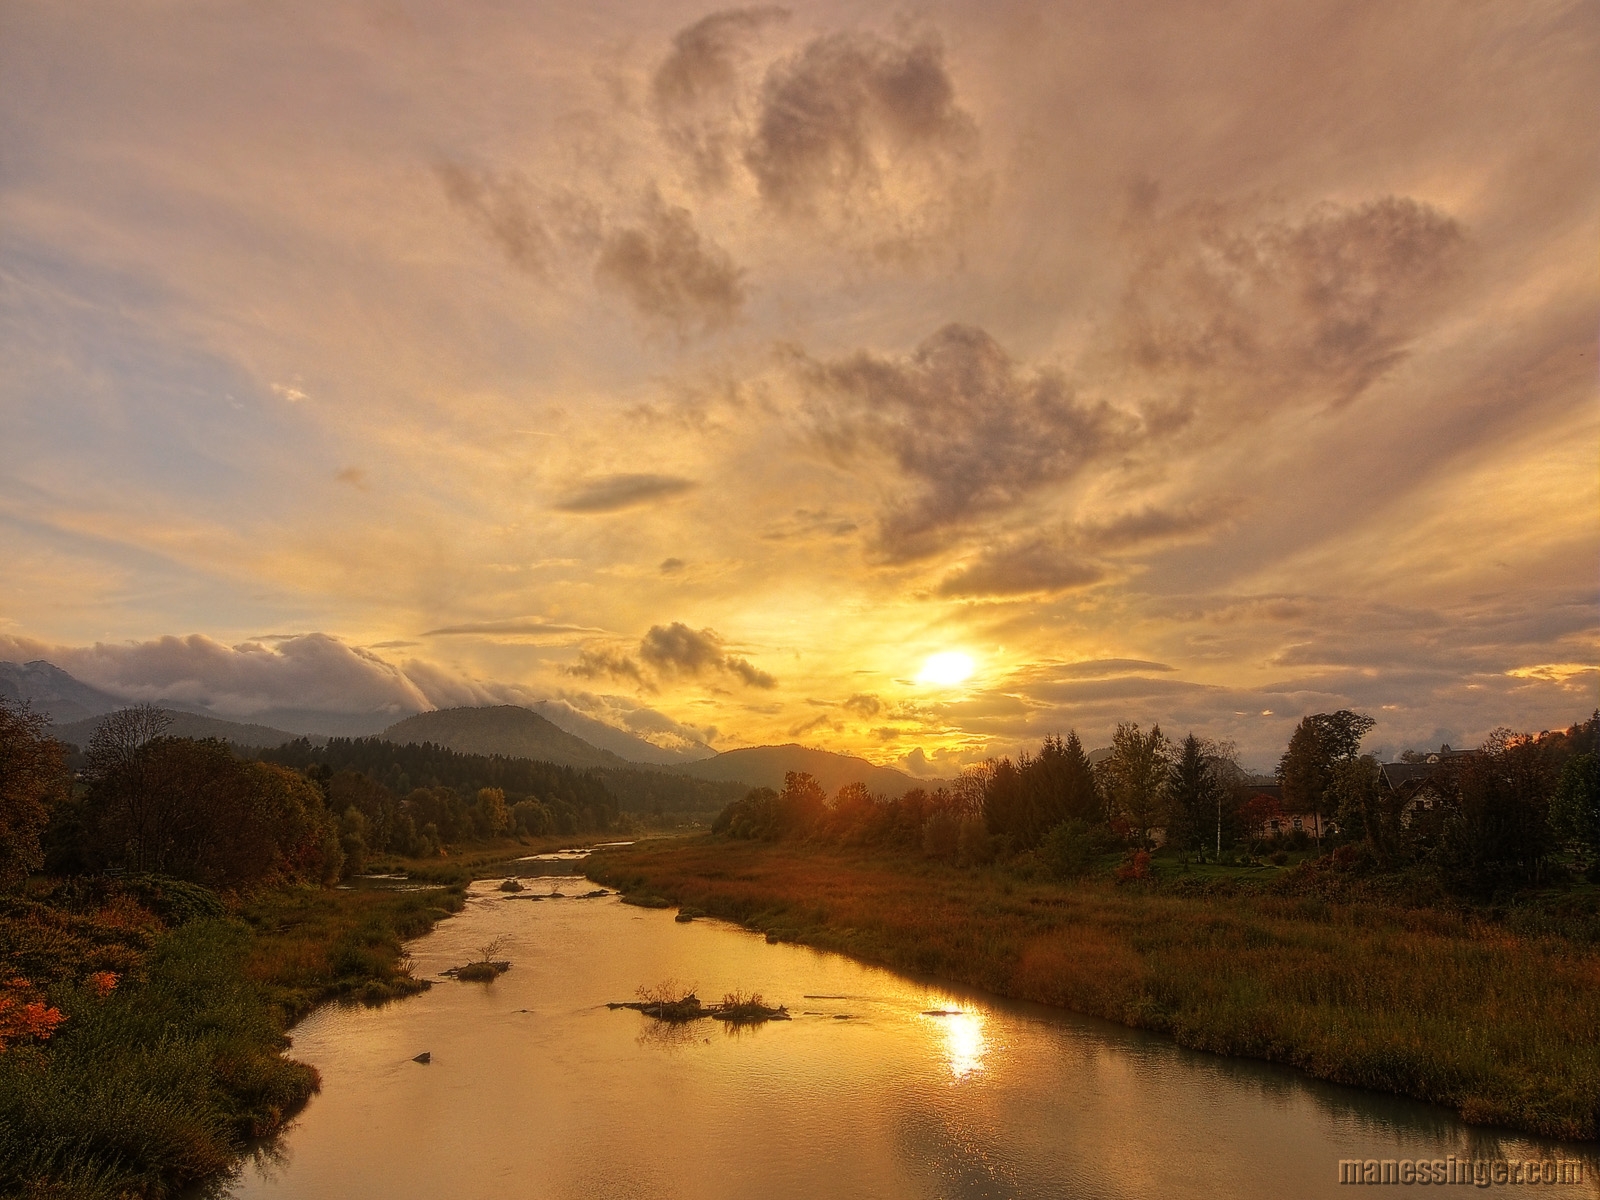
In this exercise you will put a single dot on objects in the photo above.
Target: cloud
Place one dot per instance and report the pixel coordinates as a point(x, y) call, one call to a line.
point(612, 493)
point(671, 566)
point(603, 663)
point(1144, 527)
point(669, 652)
point(1259, 311)
point(1063, 560)
point(1035, 565)
point(864, 705)
point(519, 626)
point(851, 114)
point(671, 274)
point(697, 90)
point(1094, 668)
point(809, 523)
point(975, 432)
point(534, 227)
point(310, 671)
point(676, 649)
point(355, 477)
point(820, 721)
point(505, 208)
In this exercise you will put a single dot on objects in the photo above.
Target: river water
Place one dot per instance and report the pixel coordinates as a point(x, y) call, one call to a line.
point(537, 1090)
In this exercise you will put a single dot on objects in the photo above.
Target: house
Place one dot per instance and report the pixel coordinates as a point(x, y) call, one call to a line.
point(1261, 808)
point(1424, 784)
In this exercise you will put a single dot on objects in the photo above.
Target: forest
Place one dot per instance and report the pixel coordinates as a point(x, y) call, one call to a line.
point(1519, 811)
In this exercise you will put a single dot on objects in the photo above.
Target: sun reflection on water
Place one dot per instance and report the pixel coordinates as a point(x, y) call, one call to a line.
point(964, 1042)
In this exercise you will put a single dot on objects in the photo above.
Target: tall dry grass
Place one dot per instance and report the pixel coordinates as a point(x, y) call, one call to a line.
point(1441, 1006)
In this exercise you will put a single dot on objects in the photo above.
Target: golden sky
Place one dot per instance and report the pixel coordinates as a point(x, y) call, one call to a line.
point(709, 370)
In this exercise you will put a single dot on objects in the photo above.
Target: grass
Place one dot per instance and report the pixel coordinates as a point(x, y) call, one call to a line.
point(1493, 1019)
point(317, 944)
point(159, 1081)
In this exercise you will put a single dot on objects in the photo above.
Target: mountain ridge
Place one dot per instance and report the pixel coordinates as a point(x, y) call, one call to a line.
point(765, 766)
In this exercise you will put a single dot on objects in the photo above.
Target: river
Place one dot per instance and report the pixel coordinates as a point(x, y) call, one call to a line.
point(536, 1090)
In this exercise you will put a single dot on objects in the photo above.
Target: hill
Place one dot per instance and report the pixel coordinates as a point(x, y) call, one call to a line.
point(764, 766)
point(51, 691)
point(619, 742)
point(504, 729)
point(190, 725)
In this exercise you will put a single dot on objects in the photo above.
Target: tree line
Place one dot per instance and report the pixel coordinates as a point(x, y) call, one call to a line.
point(142, 802)
point(1496, 818)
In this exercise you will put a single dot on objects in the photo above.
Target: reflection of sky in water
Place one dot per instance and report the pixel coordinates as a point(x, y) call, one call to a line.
point(963, 1041)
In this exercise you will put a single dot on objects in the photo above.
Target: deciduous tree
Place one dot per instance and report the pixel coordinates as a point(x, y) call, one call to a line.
point(33, 778)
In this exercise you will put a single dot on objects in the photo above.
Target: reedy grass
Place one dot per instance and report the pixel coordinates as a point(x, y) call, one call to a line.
point(1442, 1006)
point(162, 1084)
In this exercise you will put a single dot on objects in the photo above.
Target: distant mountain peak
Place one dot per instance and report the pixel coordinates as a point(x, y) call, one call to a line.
point(51, 691)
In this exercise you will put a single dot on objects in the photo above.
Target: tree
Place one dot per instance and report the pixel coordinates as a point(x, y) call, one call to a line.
point(1317, 744)
point(1575, 808)
point(1498, 832)
point(190, 809)
point(32, 780)
point(1356, 798)
point(801, 803)
point(1136, 775)
point(491, 816)
point(115, 742)
point(1193, 797)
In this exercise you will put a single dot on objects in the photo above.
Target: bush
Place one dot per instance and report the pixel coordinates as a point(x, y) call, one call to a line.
point(1069, 850)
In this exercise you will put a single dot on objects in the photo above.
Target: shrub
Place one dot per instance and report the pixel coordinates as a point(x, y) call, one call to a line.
point(1068, 850)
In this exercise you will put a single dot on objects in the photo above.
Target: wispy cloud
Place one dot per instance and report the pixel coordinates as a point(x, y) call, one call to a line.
point(613, 493)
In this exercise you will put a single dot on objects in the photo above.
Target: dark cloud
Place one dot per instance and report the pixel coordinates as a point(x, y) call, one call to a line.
point(670, 274)
point(864, 705)
point(696, 92)
point(1035, 565)
point(849, 110)
point(750, 675)
point(1143, 527)
point(604, 663)
point(671, 566)
point(820, 721)
point(678, 650)
point(972, 429)
point(668, 652)
point(504, 207)
point(612, 493)
point(1261, 310)
point(354, 477)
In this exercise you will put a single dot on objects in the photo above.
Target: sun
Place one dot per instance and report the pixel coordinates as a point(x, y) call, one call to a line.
point(946, 669)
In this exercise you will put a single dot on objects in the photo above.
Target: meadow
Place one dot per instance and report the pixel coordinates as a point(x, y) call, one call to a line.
point(1490, 1013)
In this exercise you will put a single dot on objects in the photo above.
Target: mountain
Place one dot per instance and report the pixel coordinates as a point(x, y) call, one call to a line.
point(503, 729)
point(764, 766)
point(619, 742)
point(191, 725)
point(51, 691)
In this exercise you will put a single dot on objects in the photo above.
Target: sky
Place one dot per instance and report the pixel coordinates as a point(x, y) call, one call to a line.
point(711, 370)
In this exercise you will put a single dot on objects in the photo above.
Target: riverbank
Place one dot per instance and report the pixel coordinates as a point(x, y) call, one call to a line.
point(165, 1055)
point(1441, 1006)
